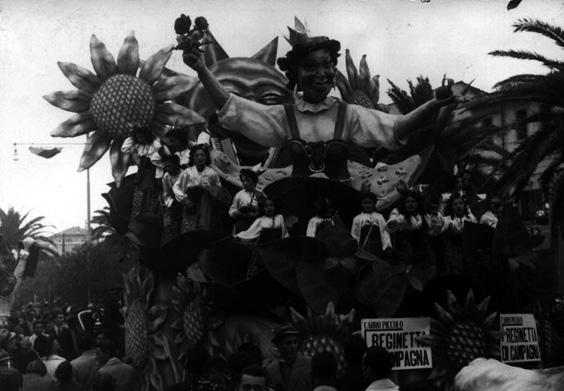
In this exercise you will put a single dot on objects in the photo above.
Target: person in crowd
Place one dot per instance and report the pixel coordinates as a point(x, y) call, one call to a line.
point(35, 378)
point(62, 333)
point(25, 355)
point(65, 380)
point(268, 226)
point(324, 372)
point(325, 214)
point(354, 349)
point(195, 188)
point(409, 231)
point(377, 367)
point(10, 379)
point(315, 117)
point(172, 213)
point(85, 365)
point(457, 214)
point(291, 371)
point(245, 207)
point(48, 349)
point(251, 378)
point(491, 215)
point(369, 227)
point(38, 329)
point(110, 364)
point(103, 382)
point(246, 355)
point(198, 364)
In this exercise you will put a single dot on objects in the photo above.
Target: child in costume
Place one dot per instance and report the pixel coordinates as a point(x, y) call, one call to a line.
point(369, 227)
point(269, 226)
point(245, 206)
point(324, 214)
point(457, 214)
point(172, 213)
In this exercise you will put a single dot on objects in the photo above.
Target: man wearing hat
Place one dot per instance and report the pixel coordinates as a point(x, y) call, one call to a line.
point(292, 370)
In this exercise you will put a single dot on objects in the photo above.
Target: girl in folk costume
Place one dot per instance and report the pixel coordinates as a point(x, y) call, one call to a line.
point(172, 214)
point(369, 227)
point(245, 206)
point(196, 188)
point(491, 216)
point(409, 230)
point(325, 215)
point(457, 214)
point(269, 226)
point(145, 149)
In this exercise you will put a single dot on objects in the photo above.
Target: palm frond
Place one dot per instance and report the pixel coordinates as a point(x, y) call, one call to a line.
point(527, 55)
point(400, 98)
point(549, 172)
point(536, 26)
point(422, 91)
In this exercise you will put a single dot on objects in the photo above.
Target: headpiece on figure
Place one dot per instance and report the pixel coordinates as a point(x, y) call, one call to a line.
point(302, 44)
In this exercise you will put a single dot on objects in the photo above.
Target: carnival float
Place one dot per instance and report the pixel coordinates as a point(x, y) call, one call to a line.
point(196, 285)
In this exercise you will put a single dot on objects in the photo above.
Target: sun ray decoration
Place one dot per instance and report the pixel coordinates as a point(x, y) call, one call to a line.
point(119, 98)
point(460, 335)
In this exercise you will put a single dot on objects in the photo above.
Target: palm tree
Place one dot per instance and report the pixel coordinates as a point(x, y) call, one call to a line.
point(107, 232)
point(546, 145)
point(14, 229)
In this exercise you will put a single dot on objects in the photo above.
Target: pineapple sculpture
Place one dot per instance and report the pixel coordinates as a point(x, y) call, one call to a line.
point(190, 302)
point(460, 335)
point(324, 333)
point(142, 321)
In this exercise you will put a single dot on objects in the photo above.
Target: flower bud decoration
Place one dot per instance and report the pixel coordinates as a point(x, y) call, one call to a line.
point(201, 23)
point(182, 25)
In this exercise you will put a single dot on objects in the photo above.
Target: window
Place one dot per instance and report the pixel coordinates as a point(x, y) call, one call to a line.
point(521, 128)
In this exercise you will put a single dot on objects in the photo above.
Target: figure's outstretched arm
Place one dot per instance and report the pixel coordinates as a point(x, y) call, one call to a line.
point(195, 60)
point(411, 121)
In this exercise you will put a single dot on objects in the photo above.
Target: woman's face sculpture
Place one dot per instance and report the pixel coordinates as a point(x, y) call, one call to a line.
point(411, 204)
point(316, 74)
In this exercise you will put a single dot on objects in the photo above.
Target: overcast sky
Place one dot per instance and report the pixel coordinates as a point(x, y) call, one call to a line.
point(402, 38)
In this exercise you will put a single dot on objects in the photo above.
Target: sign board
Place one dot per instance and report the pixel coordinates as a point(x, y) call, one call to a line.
point(519, 338)
point(399, 337)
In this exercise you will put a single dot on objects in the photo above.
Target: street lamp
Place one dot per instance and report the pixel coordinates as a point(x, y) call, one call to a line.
point(47, 153)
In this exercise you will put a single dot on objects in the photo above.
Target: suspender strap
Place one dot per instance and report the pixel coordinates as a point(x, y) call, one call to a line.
point(340, 124)
point(291, 116)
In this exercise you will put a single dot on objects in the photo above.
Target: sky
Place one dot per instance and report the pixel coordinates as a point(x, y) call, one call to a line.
point(401, 38)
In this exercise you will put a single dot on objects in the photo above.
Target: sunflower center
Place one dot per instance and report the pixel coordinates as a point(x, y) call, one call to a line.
point(466, 342)
point(121, 104)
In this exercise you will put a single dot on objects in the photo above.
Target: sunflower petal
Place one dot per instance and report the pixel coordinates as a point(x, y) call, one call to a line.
point(120, 162)
point(128, 57)
point(470, 304)
point(374, 89)
point(153, 67)
point(483, 306)
point(351, 71)
point(344, 87)
point(171, 87)
point(75, 101)
point(453, 304)
point(443, 315)
point(80, 77)
point(78, 124)
point(490, 319)
point(364, 73)
point(102, 60)
point(177, 115)
point(96, 145)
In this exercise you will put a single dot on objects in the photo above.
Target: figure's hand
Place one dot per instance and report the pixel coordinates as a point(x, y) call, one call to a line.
point(194, 58)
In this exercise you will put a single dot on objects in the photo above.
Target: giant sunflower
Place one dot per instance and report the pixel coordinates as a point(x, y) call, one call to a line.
point(118, 99)
point(460, 335)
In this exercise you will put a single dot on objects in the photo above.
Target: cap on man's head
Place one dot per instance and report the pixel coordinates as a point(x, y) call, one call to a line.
point(284, 331)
